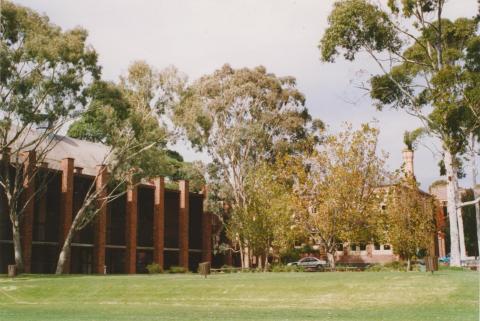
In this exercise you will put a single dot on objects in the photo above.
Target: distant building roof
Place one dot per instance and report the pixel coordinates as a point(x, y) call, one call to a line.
point(57, 147)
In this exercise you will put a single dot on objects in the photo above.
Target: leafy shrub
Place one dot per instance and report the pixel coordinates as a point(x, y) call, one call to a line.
point(177, 269)
point(286, 268)
point(154, 268)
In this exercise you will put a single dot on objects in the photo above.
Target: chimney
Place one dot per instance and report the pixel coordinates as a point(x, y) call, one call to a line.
point(408, 162)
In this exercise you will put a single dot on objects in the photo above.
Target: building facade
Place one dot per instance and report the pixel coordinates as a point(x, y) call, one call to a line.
point(148, 224)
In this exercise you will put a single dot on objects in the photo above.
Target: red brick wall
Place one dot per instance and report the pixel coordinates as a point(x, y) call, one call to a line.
point(26, 227)
point(159, 221)
point(183, 224)
point(66, 204)
point(131, 230)
point(100, 223)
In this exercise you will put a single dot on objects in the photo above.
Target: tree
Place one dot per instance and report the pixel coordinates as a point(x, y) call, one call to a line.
point(135, 142)
point(410, 219)
point(267, 220)
point(337, 189)
point(435, 65)
point(44, 74)
point(242, 117)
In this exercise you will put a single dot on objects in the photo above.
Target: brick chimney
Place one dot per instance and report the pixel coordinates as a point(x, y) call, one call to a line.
point(408, 163)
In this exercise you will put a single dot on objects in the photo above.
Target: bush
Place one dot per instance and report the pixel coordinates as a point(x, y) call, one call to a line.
point(286, 268)
point(154, 268)
point(177, 269)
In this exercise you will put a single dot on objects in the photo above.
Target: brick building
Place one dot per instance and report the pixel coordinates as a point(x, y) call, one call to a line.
point(150, 223)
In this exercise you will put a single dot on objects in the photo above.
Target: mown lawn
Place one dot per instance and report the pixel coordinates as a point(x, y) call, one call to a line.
point(446, 295)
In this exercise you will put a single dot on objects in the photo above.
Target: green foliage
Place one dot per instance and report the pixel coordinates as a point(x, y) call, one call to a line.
point(176, 270)
point(154, 268)
point(44, 71)
point(410, 139)
point(286, 268)
point(355, 25)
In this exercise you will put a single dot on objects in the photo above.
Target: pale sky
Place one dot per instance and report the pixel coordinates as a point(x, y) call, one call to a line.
point(199, 36)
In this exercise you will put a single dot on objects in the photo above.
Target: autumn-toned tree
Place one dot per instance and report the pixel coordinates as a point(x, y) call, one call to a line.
point(44, 74)
point(429, 67)
point(267, 219)
point(336, 189)
point(410, 219)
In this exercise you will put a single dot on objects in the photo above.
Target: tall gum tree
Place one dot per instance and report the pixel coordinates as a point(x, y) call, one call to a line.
point(242, 117)
point(44, 74)
point(429, 68)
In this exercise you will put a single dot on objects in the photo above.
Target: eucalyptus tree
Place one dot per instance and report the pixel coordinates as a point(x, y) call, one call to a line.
point(242, 117)
point(123, 119)
point(429, 68)
point(44, 74)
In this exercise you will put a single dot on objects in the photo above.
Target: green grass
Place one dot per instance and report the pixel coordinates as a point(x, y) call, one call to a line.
point(446, 295)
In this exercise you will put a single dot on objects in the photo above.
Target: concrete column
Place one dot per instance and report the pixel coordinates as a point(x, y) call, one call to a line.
point(159, 221)
point(26, 226)
point(131, 230)
point(100, 224)
point(183, 224)
point(66, 204)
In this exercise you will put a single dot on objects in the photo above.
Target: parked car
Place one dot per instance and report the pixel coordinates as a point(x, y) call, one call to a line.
point(310, 263)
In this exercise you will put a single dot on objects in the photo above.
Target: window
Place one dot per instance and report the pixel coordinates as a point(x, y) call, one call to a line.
point(363, 247)
point(353, 247)
point(376, 246)
point(387, 247)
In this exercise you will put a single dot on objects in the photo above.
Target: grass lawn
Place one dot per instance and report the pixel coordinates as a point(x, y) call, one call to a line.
point(446, 295)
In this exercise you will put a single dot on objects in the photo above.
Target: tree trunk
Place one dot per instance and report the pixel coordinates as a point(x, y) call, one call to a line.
point(409, 263)
point(452, 202)
point(17, 244)
point(65, 253)
point(265, 265)
point(331, 259)
point(242, 263)
point(461, 235)
point(475, 194)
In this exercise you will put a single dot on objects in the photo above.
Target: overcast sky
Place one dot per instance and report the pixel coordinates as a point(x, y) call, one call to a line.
point(198, 36)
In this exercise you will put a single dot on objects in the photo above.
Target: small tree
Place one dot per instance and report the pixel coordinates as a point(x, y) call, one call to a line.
point(336, 189)
point(267, 220)
point(410, 219)
point(44, 74)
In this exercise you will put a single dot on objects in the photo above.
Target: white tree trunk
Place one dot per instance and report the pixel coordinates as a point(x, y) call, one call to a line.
point(65, 253)
point(461, 234)
point(452, 202)
point(331, 259)
point(475, 194)
point(17, 244)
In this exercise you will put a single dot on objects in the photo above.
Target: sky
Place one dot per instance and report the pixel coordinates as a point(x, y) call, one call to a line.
point(199, 36)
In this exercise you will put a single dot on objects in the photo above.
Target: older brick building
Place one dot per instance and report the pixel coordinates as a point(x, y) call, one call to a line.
point(149, 223)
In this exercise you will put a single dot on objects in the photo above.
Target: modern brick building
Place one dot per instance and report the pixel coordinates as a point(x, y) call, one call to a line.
point(149, 223)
